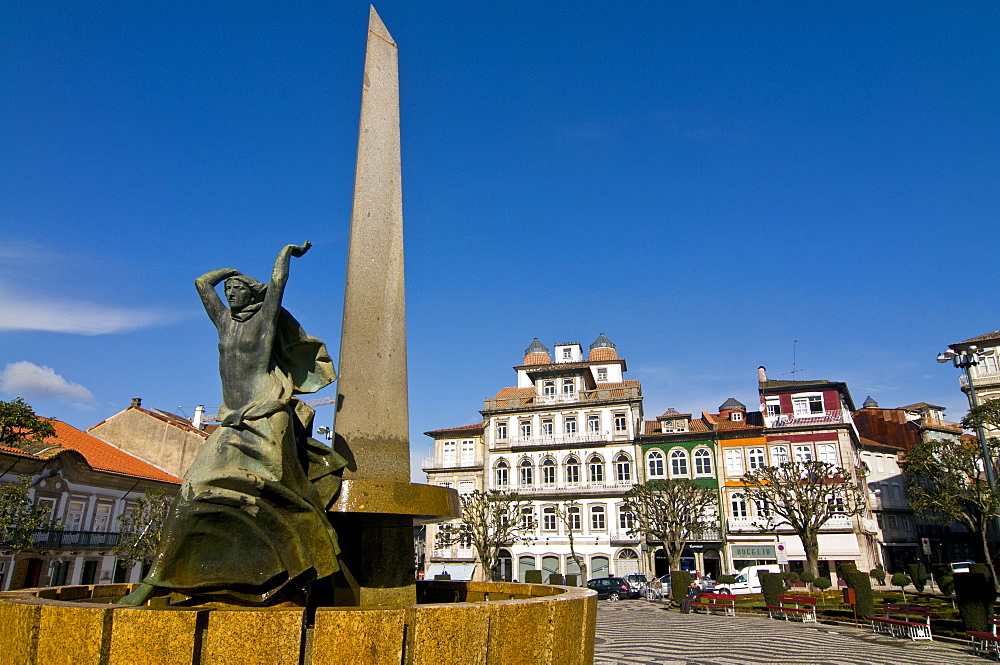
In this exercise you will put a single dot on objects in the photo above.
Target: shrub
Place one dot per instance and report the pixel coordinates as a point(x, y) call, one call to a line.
point(807, 577)
point(726, 579)
point(772, 586)
point(573, 579)
point(945, 579)
point(918, 573)
point(877, 574)
point(533, 576)
point(862, 586)
point(556, 578)
point(680, 582)
point(791, 576)
point(974, 595)
point(901, 580)
point(822, 583)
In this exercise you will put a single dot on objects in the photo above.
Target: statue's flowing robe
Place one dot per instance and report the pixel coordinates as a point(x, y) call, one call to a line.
point(250, 518)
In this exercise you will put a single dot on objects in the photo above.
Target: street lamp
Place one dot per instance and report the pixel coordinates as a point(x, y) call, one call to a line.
point(964, 360)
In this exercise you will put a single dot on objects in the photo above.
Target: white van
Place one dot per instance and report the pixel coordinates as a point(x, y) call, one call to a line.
point(747, 580)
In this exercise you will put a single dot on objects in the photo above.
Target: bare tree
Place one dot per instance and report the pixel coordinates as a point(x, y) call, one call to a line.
point(570, 514)
point(140, 528)
point(489, 521)
point(672, 512)
point(805, 496)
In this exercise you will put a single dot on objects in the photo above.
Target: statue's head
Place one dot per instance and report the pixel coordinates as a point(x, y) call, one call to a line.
point(242, 292)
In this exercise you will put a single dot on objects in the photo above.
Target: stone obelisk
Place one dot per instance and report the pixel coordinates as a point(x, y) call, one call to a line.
point(375, 513)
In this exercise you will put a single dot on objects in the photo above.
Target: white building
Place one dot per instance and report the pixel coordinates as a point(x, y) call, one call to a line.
point(565, 437)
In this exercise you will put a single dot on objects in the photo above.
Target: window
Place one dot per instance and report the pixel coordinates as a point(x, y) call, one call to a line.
point(548, 472)
point(549, 519)
point(525, 428)
point(904, 522)
point(501, 430)
point(74, 515)
point(678, 463)
point(468, 452)
point(102, 516)
point(987, 365)
point(546, 427)
point(736, 415)
point(573, 518)
point(702, 462)
point(625, 519)
point(623, 469)
point(827, 452)
point(779, 455)
point(773, 407)
point(501, 473)
point(734, 463)
point(890, 521)
point(596, 470)
point(738, 505)
point(448, 451)
point(593, 424)
point(466, 486)
point(548, 388)
point(568, 387)
point(654, 460)
point(755, 458)
point(569, 425)
point(527, 519)
point(621, 424)
point(807, 405)
point(572, 470)
point(837, 505)
point(567, 353)
point(597, 522)
point(525, 469)
point(803, 454)
point(602, 373)
point(763, 507)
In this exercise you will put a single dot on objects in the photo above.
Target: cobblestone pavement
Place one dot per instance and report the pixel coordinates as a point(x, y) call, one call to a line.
point(635, 631)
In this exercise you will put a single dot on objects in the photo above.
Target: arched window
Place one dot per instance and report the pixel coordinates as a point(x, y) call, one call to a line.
point(779, 455)
point(655, 462)
point(702, 462)
point(572, 470)
point(502, 476)
point(525, 469)
point(528, 519)
point(549, 518)
point(803, 453)
point(734, 463)
point(573, 518)
point(597, 521)
point(623, 469)
point(678, 463)
point(548, 472)
point(827, 453)
point(755, 458)
point(596, 469)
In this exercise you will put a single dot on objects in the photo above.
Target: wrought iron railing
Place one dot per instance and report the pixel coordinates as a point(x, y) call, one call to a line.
point(792, 420)
point(57, 538)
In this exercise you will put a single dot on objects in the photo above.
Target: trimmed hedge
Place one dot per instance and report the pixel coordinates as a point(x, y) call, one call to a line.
point(918, 573)
point(772, 586)
point(807, 577)
point(974, 595)
point(533, 576)
point(573, 579)
point(945, 578)
point(556, 578)
point(680, 581)
point(862, 585)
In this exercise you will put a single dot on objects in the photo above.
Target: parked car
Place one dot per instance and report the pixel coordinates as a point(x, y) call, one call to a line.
point(610, 588)
point(638, 583)
point(962, 566)
point(747, 580)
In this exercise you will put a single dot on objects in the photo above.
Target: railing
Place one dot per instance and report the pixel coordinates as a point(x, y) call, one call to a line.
point(927, 421)
point(980, 379)
point(453, 553)
point(457, 463)
point(622, 536)
point(869, 525)
point(754, 524)
point(593, 395)
point(792, 420)
point(541, 488)
point(56, 538)
point(546, 441)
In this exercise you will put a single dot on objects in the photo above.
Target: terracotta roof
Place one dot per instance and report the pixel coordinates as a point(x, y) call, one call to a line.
point(988, 337)
point(105, 457)
point(602, 353)
point(537, 358)
point(477, 427)
point(920, 405)
point(513, 391)
point(17, 452)
point(774, 383)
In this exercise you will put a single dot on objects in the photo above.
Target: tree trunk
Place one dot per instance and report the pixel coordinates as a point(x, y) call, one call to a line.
point(984, 541)
point(810, 543)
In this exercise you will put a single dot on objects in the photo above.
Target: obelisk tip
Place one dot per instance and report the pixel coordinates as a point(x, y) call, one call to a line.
point(376, 26)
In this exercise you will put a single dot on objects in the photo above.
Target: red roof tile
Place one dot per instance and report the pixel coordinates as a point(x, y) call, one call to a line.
point(603, 353)
point(537, 358)
point(477, 428)
point(988, 337)
point(105, 457)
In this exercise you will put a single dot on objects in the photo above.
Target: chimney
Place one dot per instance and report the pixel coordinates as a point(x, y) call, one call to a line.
point(199, 416)
point(761, 374)
point(137, 402)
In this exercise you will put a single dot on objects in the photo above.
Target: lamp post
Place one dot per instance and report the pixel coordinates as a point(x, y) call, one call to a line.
point(964, 360)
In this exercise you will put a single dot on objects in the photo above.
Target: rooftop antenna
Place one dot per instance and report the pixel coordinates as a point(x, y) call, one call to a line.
point(795, 369)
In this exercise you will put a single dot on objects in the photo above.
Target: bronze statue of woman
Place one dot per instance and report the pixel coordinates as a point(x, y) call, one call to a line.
point(249, 524)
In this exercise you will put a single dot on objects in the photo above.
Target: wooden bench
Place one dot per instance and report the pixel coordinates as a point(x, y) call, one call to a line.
point(986, 643)
point(915, 624)
point(794, 607)
point(716, 601)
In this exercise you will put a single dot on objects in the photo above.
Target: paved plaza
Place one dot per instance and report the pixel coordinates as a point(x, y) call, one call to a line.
point(632, 632)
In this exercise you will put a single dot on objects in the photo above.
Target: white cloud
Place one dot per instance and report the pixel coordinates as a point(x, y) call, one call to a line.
point(24, 378)
point(73, 317)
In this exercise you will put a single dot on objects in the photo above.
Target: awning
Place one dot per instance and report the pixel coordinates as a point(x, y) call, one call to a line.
point(458, 571)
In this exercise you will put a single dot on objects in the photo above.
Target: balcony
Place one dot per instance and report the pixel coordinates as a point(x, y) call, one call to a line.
point(433, 464)
point(593, 396)
point(553, 441)
point(792, 420)
point(981, 379)
point(753, 524)
point(57, 538)
point(622, 536)
point(568, 488)
point(452, 553)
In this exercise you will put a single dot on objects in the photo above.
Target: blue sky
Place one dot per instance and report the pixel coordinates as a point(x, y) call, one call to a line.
point(703, 182)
